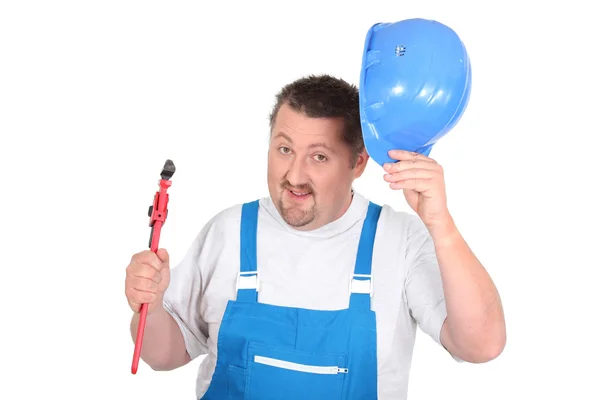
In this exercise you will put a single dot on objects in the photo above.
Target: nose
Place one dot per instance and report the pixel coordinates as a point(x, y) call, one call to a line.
point(297, 173)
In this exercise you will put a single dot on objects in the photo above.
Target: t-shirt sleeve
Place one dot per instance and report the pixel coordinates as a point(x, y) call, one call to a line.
point(182, 300)
point(424, 290)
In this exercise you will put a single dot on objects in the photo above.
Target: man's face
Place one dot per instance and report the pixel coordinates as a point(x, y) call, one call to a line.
point(309, 169)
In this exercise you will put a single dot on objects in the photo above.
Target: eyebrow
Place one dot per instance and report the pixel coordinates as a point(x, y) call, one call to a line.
point(319, 144)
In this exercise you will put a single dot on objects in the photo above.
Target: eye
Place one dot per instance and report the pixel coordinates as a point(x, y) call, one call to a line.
point(284, 150)
point(320, 158)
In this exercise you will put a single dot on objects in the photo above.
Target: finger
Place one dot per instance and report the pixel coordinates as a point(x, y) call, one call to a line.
point(163, 255)
point(407, 174)
point(401, 166)
point(138, 297)
point(150, 258)
point(143, 284)
point(146, 271)
point(405, 155)
point(418, 185)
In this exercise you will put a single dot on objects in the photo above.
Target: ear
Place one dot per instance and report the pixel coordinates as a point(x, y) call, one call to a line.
point(361, 163)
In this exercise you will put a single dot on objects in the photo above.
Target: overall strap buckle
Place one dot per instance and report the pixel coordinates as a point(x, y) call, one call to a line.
point(361, 286)
point(247, 280)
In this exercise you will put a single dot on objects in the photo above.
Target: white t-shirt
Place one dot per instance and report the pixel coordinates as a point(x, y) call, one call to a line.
point(312, 270)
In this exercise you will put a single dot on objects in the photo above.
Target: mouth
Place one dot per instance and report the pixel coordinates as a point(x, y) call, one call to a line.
point(295, 194)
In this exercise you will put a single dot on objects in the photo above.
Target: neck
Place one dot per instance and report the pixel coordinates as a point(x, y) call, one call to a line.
point(346, 205)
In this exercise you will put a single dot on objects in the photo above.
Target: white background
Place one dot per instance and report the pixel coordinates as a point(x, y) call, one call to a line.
point(95, 96)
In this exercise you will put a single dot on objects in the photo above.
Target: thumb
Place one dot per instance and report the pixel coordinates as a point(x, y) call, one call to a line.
point(163, 255)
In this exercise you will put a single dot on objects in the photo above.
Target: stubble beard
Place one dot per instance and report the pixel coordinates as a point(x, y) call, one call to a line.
point(295, 216)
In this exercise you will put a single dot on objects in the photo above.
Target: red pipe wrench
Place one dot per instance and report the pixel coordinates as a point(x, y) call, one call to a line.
point(158, 215)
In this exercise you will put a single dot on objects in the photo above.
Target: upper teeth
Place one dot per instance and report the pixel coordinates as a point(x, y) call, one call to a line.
point(299, 194)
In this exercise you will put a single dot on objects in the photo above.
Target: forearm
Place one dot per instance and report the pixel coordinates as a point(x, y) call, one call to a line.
point(475, 327)
point(163, 347)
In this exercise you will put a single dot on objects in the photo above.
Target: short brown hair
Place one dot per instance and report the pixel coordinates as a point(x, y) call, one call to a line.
point(324, 96)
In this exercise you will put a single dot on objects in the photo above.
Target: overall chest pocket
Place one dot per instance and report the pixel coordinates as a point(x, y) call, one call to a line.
point(283, 373)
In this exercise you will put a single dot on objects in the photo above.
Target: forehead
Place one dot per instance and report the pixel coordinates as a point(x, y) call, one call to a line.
point(297, 127)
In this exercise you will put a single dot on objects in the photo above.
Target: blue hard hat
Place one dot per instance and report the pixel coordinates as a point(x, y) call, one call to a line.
point(415, 84)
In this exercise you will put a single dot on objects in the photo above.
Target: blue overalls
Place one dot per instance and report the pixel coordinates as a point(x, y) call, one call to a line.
point(271, 352)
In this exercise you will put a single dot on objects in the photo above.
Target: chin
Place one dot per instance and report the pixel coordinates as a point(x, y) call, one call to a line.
point(299, 219)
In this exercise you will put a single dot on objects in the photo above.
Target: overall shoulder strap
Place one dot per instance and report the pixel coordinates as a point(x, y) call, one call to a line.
point(247, 281)
point(361, 285)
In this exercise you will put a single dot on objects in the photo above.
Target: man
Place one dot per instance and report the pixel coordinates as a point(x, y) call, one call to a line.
point(315, 292)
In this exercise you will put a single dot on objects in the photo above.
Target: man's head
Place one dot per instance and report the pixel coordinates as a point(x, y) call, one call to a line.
point(316, 150)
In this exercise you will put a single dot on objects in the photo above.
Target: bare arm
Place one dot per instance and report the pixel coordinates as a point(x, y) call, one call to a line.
point(163, 347)
point(474, 329)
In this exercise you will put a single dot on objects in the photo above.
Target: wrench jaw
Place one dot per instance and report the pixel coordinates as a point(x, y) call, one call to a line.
point(168, 170)
point(158, 212)
point(155, 211)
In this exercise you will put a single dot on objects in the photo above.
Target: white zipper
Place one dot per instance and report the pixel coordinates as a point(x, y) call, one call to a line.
point(300, 367)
